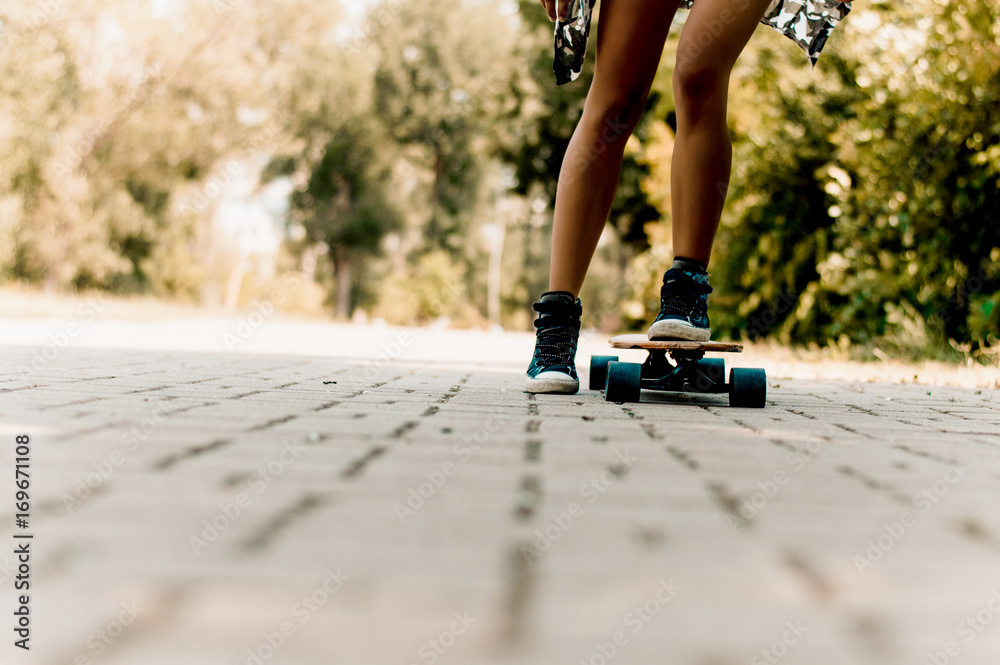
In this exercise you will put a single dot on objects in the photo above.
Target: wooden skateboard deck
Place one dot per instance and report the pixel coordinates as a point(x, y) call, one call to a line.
point(639, 341)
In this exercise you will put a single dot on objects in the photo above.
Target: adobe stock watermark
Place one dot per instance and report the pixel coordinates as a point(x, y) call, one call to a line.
point(925, 167)
point(973, 285)
point(394, 350)
point(389, 352)
point(894, 532)
point(609, 304)
point(562, 522)
point(634, 621)
point(214, 187)
point(57, 341)
point(417, 497)
point(693, 47)
point(751, 506)
point(86, 146)
point(403, 171)
point(967, 630)
point(229, 511)
point(247, 325)
point(778, 649)
point(129, 441)
point(223, 7)
point(378, 18)
point(303, 610)
point(432, 650)
point(614, 129)
point(39, 16)
point(99, 640)
point(760, 324)
point(218, 183)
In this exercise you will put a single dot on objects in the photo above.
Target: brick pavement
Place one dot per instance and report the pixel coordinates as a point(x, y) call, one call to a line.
point(249, 508)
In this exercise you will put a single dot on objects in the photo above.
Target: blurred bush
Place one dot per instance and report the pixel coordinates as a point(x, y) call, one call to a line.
point(864, 198)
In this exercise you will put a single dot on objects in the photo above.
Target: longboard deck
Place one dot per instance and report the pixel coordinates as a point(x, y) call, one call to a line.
point(642, 342)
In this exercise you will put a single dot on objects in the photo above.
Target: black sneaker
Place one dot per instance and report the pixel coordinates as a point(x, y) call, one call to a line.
point(683, 307)
point(553, 367)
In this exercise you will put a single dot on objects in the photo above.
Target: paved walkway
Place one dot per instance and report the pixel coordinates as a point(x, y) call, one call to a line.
point(212, 508)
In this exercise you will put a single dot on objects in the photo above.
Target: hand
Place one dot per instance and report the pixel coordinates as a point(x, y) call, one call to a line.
point(555, 7)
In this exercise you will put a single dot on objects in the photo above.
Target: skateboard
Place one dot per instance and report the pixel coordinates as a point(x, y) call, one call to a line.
point(690, 371)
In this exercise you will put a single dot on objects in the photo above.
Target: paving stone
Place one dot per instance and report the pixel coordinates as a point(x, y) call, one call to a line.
point(439, 487)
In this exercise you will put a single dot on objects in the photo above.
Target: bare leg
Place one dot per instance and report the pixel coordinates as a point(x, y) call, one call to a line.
point(630, 38)
point(714, 35)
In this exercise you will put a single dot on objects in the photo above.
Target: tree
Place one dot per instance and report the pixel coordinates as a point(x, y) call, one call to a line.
point(347, 204)
point(118, 128)
point(918, 215)
point(863, 190)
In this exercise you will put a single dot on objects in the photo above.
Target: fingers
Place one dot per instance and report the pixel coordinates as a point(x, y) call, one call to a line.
point(557, 8)
point(550, 9)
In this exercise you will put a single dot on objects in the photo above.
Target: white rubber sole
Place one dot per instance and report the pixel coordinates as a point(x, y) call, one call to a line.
point(676, 329)
point(562, 385)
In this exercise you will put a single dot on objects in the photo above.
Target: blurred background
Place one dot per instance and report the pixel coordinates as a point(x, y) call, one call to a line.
point(396, 161)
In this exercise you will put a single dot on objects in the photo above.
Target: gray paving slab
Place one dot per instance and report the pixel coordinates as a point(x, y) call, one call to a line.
point(260, 508)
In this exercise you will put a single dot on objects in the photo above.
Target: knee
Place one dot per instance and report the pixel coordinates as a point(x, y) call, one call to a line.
point(614, 117)
point(698, 83)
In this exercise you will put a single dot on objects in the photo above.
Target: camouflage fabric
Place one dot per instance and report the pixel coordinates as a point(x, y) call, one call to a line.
point(806, 22)
point(571, 40)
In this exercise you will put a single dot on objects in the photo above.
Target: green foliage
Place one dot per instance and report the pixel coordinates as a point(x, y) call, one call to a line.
point(346, 204)
point(778, 230)
point(547, 113)
point(345, 201)
point(429, 92)
point(924, 165)
point(109, 128)
point(864, 201)
point(430, 288)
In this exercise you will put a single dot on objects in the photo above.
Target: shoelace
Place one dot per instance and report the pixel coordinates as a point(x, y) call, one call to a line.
point(680, 297)
point(555, 345)
point(558, 329)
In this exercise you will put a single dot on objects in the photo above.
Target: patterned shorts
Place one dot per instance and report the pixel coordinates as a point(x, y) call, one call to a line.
point(807, 22)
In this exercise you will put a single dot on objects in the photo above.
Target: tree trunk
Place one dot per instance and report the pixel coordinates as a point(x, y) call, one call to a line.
point(437, 195)
point(342, 264)
point(234, 285)
point(495, 271)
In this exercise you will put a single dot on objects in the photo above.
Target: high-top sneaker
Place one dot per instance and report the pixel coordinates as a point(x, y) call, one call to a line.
point(553, 367)
point(683, 307)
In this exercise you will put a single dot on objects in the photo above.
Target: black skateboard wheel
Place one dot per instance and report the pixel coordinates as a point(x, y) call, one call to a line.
point(599, 371)
point(624, 382)
point(714, 369)
point(747, 388)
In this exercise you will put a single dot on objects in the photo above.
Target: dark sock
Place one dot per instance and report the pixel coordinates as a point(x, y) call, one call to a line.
point(690, 265)
point(557, 294)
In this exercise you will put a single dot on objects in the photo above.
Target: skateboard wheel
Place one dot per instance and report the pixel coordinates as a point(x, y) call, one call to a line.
point(714, 369)
point(599, 371)
point(747, 388)
point(624, 382)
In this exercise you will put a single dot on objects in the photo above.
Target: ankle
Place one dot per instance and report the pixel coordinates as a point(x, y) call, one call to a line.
point(689, 265)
